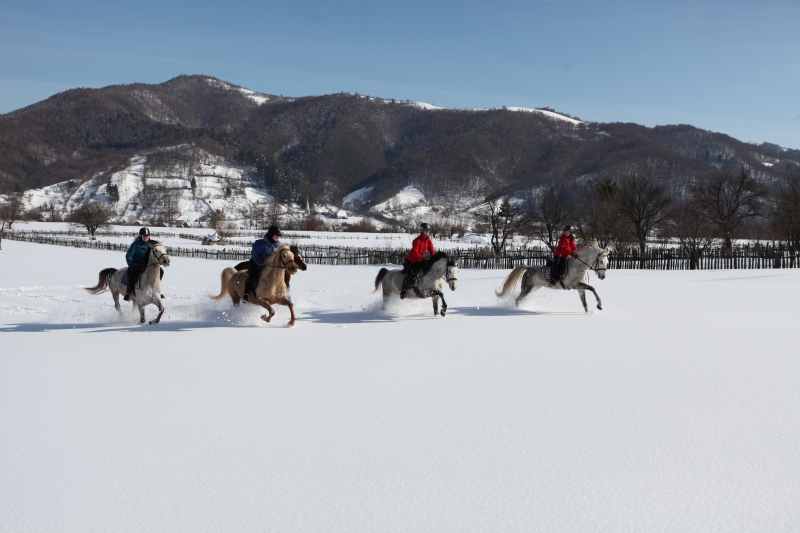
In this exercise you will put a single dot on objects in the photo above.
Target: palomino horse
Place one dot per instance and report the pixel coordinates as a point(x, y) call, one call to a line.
point(590, 257)
point(298, 260)
point(271, 285)
point(438, 268)
point(148, 289)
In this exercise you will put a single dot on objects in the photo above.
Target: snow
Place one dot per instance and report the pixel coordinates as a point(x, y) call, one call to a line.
point(423, 105)
point(357, 195)
point(674, 409)
point(547, 113)
point(408, 196)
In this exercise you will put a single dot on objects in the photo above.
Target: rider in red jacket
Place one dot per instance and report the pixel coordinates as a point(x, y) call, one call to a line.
point(413, 262)
point(565, 249)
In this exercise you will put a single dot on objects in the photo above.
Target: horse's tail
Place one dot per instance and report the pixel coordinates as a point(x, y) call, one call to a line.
point(227, 274)
point(511, 281)
point(102, 281)
point(379, 278)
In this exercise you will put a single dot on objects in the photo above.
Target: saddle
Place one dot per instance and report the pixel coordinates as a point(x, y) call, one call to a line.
point(548, 270)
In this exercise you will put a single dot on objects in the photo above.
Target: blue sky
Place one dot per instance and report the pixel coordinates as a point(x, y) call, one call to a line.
point(732, 67)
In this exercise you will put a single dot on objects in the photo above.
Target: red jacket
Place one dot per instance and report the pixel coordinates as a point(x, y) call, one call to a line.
point(420, 245)
point(566, 246)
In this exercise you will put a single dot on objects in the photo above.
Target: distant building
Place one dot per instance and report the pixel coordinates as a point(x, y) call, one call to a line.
point(341, 214)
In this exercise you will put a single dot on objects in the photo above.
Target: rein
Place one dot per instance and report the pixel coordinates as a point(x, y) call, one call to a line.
point(593, 266)
point(285, 263)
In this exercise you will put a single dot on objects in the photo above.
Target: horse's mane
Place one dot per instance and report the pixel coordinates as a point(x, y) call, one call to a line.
point(592, 245)
point(428, 263)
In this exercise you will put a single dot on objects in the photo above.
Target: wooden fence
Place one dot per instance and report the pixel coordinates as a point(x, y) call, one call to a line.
point(757, 256)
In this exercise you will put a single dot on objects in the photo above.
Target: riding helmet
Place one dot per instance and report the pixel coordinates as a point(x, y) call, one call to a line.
point(568, 228)
point(425, 226)
point(273, 230)
point(144, 231)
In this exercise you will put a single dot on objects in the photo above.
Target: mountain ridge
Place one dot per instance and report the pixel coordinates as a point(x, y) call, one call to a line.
point(331, 145)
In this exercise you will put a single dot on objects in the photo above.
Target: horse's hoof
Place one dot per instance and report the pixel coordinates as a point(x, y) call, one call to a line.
point(600, 307)
point(443, 313)
point(291, 323)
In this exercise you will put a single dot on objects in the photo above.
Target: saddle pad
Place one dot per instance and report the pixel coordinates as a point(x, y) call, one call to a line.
point(124, 279)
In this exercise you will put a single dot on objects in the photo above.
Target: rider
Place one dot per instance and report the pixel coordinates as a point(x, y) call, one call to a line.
point(135, 257)
point(262, 249)
point(413, 262)
point(566, 248)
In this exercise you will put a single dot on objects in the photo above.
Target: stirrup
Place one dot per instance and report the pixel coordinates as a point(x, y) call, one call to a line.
point(127, 297)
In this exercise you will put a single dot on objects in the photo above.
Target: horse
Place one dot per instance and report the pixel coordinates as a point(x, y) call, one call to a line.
point(149, 283)
point(298, 260)
point(590, 257)
point(438, 268)
point(270, 288)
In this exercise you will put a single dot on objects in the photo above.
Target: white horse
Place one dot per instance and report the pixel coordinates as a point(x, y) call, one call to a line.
point(148, 286)
point(590, 257)
point(440, 268)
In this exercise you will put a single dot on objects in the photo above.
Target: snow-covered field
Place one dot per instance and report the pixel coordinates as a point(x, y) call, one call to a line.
point(676, 409)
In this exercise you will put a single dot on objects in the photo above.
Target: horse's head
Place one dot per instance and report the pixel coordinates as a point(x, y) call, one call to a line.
point(298, 257)
point(451, 273)
point(600, 262)
point(159, 252)
point(285, 258)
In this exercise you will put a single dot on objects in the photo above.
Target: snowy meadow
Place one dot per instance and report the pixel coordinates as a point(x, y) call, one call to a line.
point(676, 408)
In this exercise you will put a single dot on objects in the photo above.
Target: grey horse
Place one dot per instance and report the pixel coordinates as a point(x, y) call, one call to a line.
point(590, 258)
point(440, 268)
point(148, 287)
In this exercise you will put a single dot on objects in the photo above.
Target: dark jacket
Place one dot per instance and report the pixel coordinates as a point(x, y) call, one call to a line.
point(566, 246)
point(137, 252)
point(262, 250)
point(420, 245)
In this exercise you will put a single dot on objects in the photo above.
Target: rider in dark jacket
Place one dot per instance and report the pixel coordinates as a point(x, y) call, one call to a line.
point(262, 250)
point(413, 261)
point(135, 259)
point(565, 249)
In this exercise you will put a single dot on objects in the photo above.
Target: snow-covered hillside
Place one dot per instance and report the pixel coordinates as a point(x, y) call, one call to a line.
point(182, 184)
point(674, 410)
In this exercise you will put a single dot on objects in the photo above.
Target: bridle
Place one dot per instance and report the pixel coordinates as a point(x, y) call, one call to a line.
point(445, 274)
point(595, 264)
point(157, 256)
point(284, 263)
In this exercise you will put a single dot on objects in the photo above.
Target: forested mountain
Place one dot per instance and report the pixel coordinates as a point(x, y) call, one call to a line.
point(324, 147)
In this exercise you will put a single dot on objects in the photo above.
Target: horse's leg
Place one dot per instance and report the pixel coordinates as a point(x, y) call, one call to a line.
point(596, 297)
point(157, 319)
point(288, 303)
point(527, 286)
point(436, 295)
point(115, 296)
point(269, 308)
point(141, 314)
point(582, 294)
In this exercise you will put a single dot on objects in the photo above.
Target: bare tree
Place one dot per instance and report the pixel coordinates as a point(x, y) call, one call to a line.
point(548, 213)
point(170, 209)
point(694, 231)
point(51, 211)
point(643, 204)
point(12, 211)
point(728, 199)
point(784, 215)
point(503, 219)
point(92, 215)
point(601, 215)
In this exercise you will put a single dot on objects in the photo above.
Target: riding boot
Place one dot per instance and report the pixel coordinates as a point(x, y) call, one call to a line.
point(555, 270)
point(252, 276)
point(130, 283)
